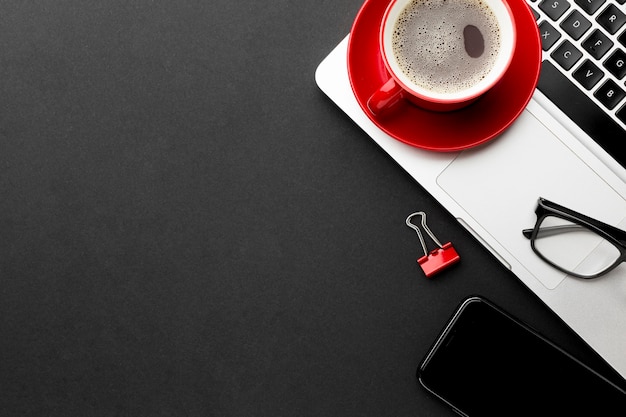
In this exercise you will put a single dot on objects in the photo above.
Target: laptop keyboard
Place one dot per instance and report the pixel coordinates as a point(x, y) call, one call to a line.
point(584, 67)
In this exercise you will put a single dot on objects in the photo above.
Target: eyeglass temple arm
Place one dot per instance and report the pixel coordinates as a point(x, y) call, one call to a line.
point(552, 230)
point(618, 234)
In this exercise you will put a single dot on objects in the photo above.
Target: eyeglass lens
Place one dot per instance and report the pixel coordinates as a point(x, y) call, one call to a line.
point(573, 247)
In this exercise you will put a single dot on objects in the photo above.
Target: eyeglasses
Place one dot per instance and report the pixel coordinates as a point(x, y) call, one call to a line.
point(574, 243)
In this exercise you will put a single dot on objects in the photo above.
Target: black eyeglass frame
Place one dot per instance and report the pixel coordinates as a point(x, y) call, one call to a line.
point(612, 234)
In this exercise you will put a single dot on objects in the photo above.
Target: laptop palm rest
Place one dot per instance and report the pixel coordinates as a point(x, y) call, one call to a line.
point(498, 185)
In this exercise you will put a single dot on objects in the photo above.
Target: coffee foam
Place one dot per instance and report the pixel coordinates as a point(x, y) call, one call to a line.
point(429, 44)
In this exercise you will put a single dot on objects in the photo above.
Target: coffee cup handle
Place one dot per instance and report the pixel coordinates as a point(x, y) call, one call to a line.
point(386, 98)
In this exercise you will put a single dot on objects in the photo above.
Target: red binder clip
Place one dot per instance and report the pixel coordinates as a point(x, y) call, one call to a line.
point(438, 259)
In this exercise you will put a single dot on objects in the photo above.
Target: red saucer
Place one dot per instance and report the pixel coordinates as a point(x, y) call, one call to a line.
point(446, 131)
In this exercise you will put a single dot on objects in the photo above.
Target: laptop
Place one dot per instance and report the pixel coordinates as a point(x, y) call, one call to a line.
point(567, 146)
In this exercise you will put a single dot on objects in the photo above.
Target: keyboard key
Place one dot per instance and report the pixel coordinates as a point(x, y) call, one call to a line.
point(576, 24)
point(621, 114)
point(616, 63)
point(610, 94)
point(590, 6)
point(611, 18)
point(582, 110)
point(535, 13)
point(597, 44)
point(566, 55)
point(622, 38)
point(554, 8)
point(549, 35)
point(588, 74)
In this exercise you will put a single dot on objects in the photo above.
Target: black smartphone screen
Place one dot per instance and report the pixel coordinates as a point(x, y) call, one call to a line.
point(486, 362)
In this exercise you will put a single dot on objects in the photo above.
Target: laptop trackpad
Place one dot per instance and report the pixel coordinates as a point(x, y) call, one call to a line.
point(498, 185)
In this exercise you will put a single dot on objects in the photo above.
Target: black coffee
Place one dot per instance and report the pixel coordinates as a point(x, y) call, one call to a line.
point(446, 46)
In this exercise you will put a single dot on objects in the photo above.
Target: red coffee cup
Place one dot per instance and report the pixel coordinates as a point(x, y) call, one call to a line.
point(442, 55)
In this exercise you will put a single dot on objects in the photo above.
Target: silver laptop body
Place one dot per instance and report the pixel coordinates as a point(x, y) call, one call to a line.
point(493, 189)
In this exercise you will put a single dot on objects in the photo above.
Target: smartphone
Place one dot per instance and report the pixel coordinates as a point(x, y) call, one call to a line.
point(486, 362)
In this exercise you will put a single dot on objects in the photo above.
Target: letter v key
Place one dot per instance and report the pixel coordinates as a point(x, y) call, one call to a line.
point(588, 74)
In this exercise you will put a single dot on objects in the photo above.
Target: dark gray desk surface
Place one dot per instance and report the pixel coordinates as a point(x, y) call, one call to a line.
point(189, 227)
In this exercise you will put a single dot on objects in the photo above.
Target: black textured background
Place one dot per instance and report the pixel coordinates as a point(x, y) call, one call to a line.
point(189, 227)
